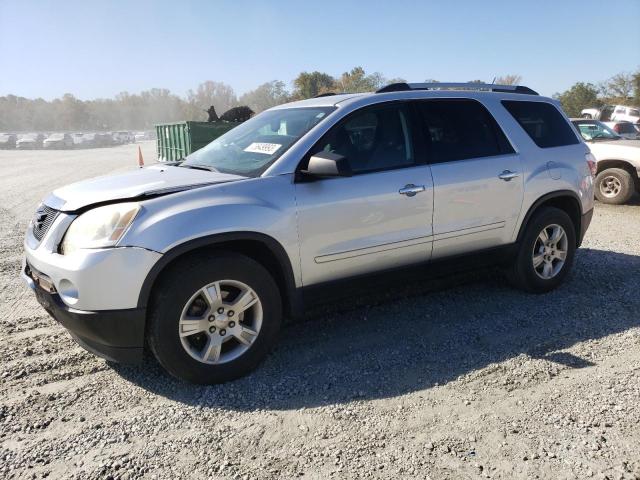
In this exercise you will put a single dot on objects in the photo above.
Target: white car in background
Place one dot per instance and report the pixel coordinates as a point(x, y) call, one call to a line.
point(123, 137)
point(617, 161)
point(140, 137)
point(610, 113)
point(58, 141)
point(30, 141)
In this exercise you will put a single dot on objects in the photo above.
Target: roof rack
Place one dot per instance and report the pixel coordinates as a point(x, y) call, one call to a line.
point(326, 94)
point(489, 87)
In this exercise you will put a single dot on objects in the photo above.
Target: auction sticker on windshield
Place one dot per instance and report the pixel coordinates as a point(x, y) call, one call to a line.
point(266, 148)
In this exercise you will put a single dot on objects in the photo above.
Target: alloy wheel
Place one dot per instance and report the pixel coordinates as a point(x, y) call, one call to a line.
point(220, 322)
point(550, 251)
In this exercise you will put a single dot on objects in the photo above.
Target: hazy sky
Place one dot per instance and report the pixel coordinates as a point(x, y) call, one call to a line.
point(99, 48)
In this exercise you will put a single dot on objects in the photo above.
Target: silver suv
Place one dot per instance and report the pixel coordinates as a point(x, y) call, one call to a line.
point(199, 260)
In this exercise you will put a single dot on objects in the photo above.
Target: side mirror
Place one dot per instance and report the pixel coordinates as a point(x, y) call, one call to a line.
point(327, 164)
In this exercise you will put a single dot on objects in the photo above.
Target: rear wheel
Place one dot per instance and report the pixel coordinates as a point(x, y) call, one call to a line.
point(614, 186)
point(546, 252)
point(214, 318)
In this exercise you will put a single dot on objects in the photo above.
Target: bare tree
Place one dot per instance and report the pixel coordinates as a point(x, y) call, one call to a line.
point(208, 93)
point(510, 79)
point(620, 85)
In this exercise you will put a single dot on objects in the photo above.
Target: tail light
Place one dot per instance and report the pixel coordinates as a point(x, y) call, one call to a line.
point(591, 162)
point(616, 128)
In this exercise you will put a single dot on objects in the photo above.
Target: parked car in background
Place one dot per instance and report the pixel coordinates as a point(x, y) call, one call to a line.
point(609, 113)
point(79, 140)
point(122, 137)
point(58, 140)
point(617, 161)
point(625, 129)
point(87, 140)
point(30, 141)
point(200, 259)
point(140, 137)
point(7, 141)
point(104, 140)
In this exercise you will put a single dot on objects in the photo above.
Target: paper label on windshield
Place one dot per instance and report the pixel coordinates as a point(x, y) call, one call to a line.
point(266, 148)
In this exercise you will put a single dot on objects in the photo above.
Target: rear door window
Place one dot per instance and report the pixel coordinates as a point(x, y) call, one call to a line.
point(543, 123)
point(460, 129)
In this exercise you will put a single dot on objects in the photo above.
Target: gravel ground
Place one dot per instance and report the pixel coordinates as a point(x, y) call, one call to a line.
point(456, 378)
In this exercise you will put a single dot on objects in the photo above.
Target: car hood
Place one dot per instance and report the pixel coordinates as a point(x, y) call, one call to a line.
point(616, 149)
point(145, 182)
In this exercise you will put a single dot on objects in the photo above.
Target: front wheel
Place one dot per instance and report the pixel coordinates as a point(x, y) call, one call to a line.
point(214, 318)
point(546, 252)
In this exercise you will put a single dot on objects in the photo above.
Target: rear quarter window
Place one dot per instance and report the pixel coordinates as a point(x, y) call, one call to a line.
point(543, 123)
point(626, 128)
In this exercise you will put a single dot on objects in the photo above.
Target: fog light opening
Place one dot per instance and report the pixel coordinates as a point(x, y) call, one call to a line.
point(68, 291)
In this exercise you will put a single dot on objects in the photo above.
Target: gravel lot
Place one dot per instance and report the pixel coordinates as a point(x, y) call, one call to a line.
point(456, 378)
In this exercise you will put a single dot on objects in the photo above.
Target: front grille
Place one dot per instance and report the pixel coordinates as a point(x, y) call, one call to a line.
point(42, 221)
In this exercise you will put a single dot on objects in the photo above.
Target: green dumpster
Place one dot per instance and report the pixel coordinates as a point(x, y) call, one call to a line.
point(177, 140)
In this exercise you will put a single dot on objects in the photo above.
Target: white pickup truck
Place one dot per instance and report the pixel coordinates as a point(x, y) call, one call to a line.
point(610, 113)
point(617, 161)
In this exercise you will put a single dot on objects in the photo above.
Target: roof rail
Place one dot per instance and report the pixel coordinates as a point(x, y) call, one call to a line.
point(490, 87)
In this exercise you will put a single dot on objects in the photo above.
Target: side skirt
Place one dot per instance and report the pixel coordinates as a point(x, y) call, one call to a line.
point(320, 293)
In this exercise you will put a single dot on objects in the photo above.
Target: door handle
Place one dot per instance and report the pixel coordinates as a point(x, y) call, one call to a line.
point(411, 190)
point(508, 175)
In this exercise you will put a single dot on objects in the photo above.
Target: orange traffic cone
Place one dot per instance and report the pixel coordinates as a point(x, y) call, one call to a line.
point(140, 159)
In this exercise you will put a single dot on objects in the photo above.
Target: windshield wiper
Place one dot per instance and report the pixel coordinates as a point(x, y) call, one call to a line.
point(199, 167)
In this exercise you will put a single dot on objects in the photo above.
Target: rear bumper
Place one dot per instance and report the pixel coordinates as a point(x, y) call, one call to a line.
point(584, 225)
point(116, 335)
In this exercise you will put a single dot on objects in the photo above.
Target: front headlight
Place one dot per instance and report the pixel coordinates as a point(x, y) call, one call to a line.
point(100, 227)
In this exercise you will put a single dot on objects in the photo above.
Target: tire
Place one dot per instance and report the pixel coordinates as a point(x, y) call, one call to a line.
point(522, 273)
point(614, 186)
point(180, 292)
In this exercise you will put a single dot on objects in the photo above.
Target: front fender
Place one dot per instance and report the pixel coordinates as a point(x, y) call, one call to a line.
point(262, 206)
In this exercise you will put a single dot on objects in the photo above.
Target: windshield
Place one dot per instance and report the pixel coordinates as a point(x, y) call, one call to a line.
point(251, 147)
point(596, 131)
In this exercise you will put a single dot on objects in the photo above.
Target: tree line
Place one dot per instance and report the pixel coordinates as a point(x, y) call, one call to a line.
point(143, 110)
point(620, 89)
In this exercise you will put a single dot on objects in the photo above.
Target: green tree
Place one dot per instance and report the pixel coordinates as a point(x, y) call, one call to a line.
point(265, 96)
point(356, 81)
point(308, 85)
point(579, 96)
